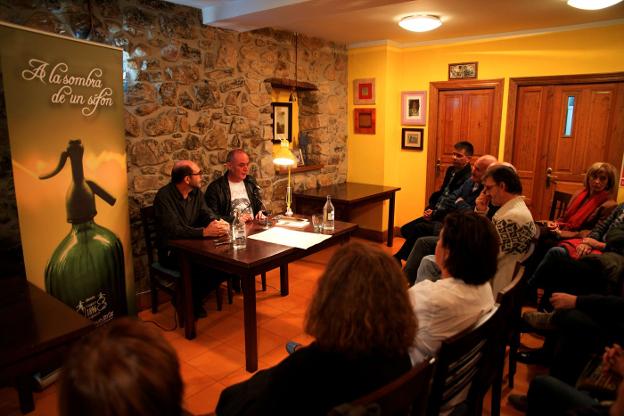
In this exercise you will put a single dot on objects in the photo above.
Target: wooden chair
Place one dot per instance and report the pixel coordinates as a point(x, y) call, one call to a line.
point(509, 301)
point(559, 204)
point(163, 278)
point(404, 396)
point(466, 367)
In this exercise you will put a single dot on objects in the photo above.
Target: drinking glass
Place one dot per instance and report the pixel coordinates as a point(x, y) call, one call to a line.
point(317, 222)
point(265, 220)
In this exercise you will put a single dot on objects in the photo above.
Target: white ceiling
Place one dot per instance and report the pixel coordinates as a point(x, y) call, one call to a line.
point(357, 22)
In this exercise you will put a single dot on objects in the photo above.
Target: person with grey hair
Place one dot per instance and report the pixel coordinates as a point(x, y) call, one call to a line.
point(235, 190)
point(513, 222)
point(461, 200)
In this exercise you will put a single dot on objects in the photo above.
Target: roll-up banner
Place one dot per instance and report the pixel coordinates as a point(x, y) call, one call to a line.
point(64, 105)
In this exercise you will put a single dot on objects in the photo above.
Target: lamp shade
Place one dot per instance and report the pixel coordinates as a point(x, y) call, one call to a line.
point(592, 4)
point(283, 156)
point(420, 23)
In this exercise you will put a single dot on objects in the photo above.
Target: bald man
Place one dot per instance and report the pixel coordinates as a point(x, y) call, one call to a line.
point(181, 213)
point(463, 199)
point(236, 189)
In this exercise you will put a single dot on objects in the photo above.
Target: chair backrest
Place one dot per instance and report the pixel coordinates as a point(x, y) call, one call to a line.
point(407, 395)
point(559, 204)
point(463, 358)
point(148, 218)
point(510, 298)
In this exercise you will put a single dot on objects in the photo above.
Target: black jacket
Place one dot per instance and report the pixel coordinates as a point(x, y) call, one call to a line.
point(219, 199)
point(458, 179)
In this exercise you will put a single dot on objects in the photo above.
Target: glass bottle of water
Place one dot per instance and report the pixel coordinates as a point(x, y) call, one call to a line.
point(238, 231)
point(328, 215)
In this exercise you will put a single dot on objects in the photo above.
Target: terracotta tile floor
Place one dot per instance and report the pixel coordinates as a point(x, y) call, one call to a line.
point(215, 359)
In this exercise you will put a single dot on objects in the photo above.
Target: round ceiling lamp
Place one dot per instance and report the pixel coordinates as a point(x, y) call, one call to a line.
point(420, 23)
point(592, 4)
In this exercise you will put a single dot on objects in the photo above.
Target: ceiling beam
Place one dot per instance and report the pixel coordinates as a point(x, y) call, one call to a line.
point(220, 13)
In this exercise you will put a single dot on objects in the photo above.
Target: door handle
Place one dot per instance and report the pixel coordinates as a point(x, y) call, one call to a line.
point(437, 166)
point(550, 178)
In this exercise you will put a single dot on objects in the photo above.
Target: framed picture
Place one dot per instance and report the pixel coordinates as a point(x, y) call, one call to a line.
point(463, 70)
point(364, 91)
point(414, 108)
point(282, 122)
point(299, 155)
point(364, 120)
point(412, 139)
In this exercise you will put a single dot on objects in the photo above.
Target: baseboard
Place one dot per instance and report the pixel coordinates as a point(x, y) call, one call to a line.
point(397, 232)
point(144, 300)
point(372, 235)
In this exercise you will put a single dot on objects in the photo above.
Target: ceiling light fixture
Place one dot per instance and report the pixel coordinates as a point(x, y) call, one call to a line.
point(420, 23)
point(592, 4)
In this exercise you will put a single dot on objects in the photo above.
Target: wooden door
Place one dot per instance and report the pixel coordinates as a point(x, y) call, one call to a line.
point(558, 131)
point(464, 110)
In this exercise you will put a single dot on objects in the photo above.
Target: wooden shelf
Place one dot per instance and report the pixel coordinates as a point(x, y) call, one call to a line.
point(289, 84)
point(284, 171)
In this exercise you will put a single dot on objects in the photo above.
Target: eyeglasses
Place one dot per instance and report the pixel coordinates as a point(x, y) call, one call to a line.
point(195, 174)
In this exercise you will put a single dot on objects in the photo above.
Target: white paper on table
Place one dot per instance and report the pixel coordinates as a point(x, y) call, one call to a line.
point(291, 238)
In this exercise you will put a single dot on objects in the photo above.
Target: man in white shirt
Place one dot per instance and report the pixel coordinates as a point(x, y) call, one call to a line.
point(466, 253)
point(235, 190)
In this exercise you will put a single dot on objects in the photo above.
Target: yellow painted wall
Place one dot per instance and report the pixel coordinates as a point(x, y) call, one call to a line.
point(379, 159)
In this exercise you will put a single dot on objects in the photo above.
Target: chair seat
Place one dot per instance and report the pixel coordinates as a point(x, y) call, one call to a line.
point(173, 273)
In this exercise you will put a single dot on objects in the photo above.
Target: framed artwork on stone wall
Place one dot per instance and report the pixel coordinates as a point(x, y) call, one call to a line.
point(364, 91)
point(364, 121)
point(282, 121)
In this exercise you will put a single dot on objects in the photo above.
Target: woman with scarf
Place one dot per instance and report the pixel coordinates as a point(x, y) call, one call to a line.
point(589, 206)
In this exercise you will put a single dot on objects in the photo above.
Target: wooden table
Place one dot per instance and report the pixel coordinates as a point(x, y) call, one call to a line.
point(256, 258)
point(345, 197)
point(36, 331)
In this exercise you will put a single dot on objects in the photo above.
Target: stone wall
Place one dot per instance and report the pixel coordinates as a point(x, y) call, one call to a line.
point(194, 92)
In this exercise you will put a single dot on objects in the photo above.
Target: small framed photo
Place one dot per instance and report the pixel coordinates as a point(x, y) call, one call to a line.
point(299, 155)
point(414, 108)
point(364, 91)
point(463, 70)
point(282, 122)
point(412, 139)
point(364, 121)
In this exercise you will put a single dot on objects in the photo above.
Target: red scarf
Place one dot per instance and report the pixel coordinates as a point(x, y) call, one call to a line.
point(579, 209)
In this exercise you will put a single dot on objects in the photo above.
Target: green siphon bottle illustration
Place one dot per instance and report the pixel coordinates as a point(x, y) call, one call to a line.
point(86, 270)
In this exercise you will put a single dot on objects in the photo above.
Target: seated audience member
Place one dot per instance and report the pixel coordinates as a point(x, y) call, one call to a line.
point(235, 190)
point(466, 253)
point(430, 222)
point(124, 368)
point(590, 205)
point(461, 200)
point(550, 396)
point(599, 266)
point(363, 325)
point(181, 213)
point(580, 326)
point(512, 220)
point(587, 207)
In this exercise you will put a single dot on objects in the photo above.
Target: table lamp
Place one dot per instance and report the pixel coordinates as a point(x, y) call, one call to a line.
point(284, 157)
